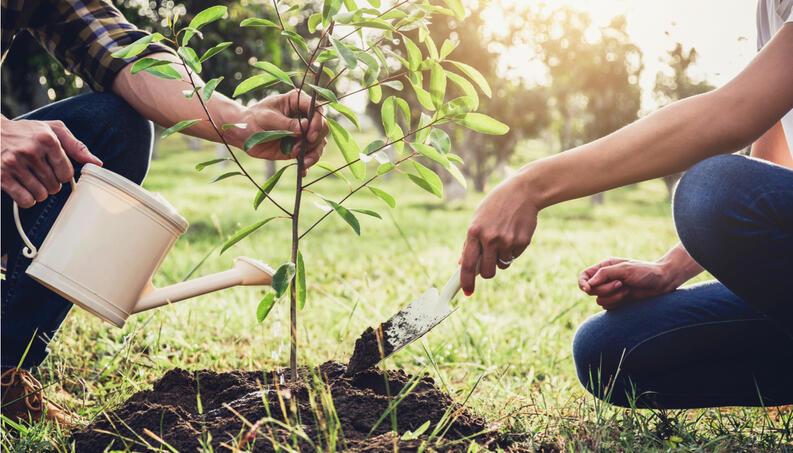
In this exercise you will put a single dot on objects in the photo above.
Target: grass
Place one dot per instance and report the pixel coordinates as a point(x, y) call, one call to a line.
point(507, 351)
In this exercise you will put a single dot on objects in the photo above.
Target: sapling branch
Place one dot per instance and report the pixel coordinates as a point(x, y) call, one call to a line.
point(379, 82)
point(361, 186)
point(223, 139)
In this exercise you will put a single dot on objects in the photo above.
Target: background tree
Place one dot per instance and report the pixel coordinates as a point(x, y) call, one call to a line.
point(678, 85)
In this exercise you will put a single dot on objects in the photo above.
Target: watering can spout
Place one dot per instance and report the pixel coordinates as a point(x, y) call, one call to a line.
point(246, 271)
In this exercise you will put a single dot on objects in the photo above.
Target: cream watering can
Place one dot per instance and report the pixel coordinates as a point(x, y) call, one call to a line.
point(107, 243)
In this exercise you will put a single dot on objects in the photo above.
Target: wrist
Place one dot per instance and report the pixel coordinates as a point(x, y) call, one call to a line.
point(533, 182)
point(226, 111)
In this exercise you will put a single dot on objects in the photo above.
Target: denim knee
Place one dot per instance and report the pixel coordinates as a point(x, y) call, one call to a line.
point(704, 205)
point(594, 353)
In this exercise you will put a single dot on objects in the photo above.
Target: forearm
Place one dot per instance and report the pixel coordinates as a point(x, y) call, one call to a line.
point(676, 137)
point(163, 101)
point(679, 266)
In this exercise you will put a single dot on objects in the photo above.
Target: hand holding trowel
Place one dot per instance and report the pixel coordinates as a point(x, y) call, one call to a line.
point(409, 324)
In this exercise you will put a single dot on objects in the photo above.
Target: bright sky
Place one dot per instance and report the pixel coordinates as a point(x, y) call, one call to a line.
point(722, 31)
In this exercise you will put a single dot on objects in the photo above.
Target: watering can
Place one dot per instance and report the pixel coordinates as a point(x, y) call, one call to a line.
point(108, 242)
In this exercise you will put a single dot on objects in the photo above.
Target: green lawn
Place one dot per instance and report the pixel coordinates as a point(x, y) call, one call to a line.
point(516, 330)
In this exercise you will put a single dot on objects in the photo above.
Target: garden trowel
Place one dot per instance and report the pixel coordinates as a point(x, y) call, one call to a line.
point(408, 325)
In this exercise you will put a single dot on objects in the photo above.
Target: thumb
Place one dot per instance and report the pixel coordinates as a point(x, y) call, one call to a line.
point(75, 148)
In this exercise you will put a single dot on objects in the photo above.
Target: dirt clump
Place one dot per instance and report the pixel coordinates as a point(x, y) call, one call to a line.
point(371, 347)
point(296, 414)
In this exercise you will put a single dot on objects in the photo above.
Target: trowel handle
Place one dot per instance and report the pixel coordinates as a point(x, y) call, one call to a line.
point(451, 287)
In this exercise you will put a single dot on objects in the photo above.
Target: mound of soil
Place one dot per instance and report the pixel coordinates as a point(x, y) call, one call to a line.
point(170, 411)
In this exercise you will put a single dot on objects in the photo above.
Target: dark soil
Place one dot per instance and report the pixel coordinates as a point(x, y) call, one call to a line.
point(370, 348)
point(171, 412)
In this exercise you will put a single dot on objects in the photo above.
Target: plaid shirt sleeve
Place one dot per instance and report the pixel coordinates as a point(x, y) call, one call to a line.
point(83, 36)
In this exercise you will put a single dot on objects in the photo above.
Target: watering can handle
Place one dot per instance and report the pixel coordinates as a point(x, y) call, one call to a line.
point(30, 250)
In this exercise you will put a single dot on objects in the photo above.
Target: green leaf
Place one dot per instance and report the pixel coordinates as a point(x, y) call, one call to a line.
point(405, 109)
point(454, 158)
point(332, 170)
point(243, 233)
point(476, 76)
point(383, 195)
point(282, 277)
point(214, 51)
point(424, 97)
point(313, 21)
point(256, 22)
point(439, 139)
point(164, 72)
point(368, 212)
point(394, 85)
point(430, 153)
point(388, 114)
point(226, 127)
point(178, 127)
point(265, 305)
point(447, 48)
point(465, 86)
point(375, 93)
point(423, 130)
point(329, 9)
point(206, 16)
point(457, 175)
point(225, 175)
point(457, 107)
point(437, 85)
point(345, 214)
point(294, 37)
point(457, 7)
point(375, 3)
point(286, 145)
point(138, 46)
point(385, 168)
point(431, 49)
point(190, 57)
point(346, 54)
point(347, 112)
point(274, 70)
point(147, 62)
point(411, 435)
point(206, 164)
point(254, 82)
point(264, 137)
point(268, 186)
point(300, 282)
point(325, 93)
point(413, 53)
point(209, 88)
point(349, 148)
point(480, 122)
point(433, 182)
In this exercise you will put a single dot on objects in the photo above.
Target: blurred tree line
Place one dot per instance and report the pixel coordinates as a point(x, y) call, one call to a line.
point(590, 85)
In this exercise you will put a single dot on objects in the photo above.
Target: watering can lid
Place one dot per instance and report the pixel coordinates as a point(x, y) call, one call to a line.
point(154, 201)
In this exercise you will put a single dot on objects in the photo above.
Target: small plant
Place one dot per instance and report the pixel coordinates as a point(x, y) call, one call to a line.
point(369, 46)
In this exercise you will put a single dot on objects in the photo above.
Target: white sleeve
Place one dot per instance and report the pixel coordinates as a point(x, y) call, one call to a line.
point(785, 10)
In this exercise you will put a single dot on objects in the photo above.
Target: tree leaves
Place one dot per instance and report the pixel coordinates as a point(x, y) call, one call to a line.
point(256, 22)
point(300, 282)
point(457, 7)
point(274, 71)
point(427, 180)
point(268, 186)
point(347, 112)
point(413, 53)
point(254, 82)
point(209, 88)
point(214, 51)
point(282, 277)
point(437, 85)
point(178, 127)
point(190, 58)
point(349, 148)
point(225, 175)
point(264, 137)
point(345, 214)
point(265, 306)
point(203, 165)
point(476, 76)
point(383, 195)
point(430, 153)
point(324, 92)
point(243, 233)
point(346, 54)
point(147, 62)
point(480, 122)
point(138, 46)
point(206, 16)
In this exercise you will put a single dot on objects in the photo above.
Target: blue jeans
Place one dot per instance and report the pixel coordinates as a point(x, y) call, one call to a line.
point(721, 343)
point(122, 139)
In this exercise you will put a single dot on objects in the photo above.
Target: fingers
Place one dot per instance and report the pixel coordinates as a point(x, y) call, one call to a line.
point(313, 155)
point(489, 257)
point(74, 148)
point(17, 192)
point(31, 184)
point(471, 253)
point(604, 274)
point(613, 301)
point(606, 289)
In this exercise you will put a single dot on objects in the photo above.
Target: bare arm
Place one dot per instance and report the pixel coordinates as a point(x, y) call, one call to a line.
point(163, 102)
point(668, 141)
